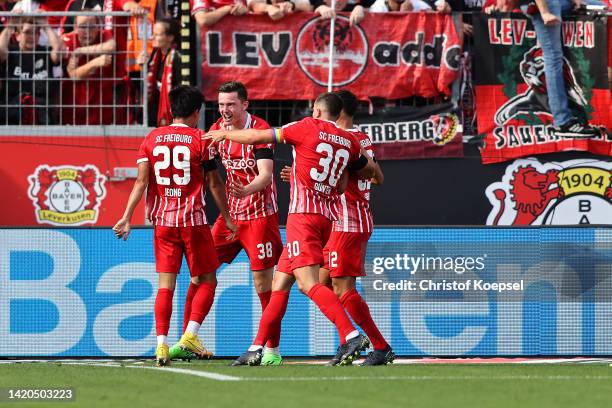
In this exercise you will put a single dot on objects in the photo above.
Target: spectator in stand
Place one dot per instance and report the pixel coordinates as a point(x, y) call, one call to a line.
point(357, 9)
point(277, 9)
point(546, 17)
point(208, 12)
point(164, 73)
point(27, 71)
point(384, 6)
point(93, 89)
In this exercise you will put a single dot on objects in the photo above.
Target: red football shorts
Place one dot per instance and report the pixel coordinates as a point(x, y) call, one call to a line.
point(307, 234)
point(345, 253)
point(260, 238)
point(195, 242)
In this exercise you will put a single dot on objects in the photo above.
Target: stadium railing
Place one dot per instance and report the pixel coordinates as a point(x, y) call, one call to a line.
point(101, 93)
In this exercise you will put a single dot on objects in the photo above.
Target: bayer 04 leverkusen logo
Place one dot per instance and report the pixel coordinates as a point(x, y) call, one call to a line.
point(566, 193)
point(66, 195)
point(350, 51)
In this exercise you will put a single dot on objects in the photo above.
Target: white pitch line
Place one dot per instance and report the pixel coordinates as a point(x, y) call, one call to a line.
point(433, 378)
point(197, 373)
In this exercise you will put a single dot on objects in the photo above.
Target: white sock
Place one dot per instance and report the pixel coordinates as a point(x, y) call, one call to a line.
point(192, 327)
point(254, 348)
point(161, 339)
point(352, 335)
point(272, 350)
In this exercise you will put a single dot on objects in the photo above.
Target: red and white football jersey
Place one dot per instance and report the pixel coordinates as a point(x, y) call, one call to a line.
point(208, 5)
point(321, 153)
point(241, 165)
point(354, 213)
point(176, 191)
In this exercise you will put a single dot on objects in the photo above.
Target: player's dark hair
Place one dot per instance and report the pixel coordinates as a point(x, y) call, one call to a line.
point(185, 100)
point(172, 28)
point(331, 103)
point(350, 103)
point(234, 86)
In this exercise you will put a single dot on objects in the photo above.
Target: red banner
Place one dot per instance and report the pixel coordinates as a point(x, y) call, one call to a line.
point(392, 55)
point(67, 181)
point(514, 115)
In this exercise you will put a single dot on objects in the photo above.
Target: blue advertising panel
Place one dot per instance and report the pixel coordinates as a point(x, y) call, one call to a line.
point(432, 291)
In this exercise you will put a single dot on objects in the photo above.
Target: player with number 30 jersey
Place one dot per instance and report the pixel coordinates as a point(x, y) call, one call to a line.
point(322, 154)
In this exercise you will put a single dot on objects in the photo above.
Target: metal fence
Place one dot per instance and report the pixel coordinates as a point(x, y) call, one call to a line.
point(74, 74)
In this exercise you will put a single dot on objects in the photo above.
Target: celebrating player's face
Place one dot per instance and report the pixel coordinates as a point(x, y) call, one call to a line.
point(232, 109)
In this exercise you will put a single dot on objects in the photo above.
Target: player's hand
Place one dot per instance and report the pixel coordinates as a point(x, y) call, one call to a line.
point(285, 174)
point(229, 223)
point(238, 190)
point(122, 229)
point(214, 135)
point(550, 19)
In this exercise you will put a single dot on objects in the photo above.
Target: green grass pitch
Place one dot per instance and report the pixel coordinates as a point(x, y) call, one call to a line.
point(214, 384)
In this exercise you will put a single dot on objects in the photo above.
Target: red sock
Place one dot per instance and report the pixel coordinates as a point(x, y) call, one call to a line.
point(202, 302)
point(163, 311)
point(331, 307)
point(264, 299)
point(187, 312)
point(271, 318)
point(360, 312)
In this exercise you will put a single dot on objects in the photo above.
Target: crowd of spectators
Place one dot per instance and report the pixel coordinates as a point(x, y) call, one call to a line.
point(83, 70)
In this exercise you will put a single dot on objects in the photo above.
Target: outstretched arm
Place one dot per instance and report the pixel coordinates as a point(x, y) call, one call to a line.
point(244, 136)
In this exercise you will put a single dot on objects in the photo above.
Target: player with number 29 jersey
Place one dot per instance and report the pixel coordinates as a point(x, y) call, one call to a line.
point(176, 193)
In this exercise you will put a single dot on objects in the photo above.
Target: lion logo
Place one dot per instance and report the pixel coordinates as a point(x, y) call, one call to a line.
point(568, 193)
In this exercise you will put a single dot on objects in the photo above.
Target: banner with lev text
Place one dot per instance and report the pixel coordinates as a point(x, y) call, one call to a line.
point(391, 55)
point(514, 113)
point(410, 133)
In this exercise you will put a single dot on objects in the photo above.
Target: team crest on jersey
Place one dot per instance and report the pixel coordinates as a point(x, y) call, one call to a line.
point(66, 195)
point(565, 193)
point(350, 50)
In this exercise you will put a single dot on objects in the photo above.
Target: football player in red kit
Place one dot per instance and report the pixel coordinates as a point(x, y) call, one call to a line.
point(173, 163)
point(323, 152)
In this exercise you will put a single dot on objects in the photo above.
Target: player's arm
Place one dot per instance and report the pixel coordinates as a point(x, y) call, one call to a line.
point(265, 167)
point(217, 189)
point(343, 182)
point(244, 136)
point(364, 166)
point(379, 177)
point(122, 227)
